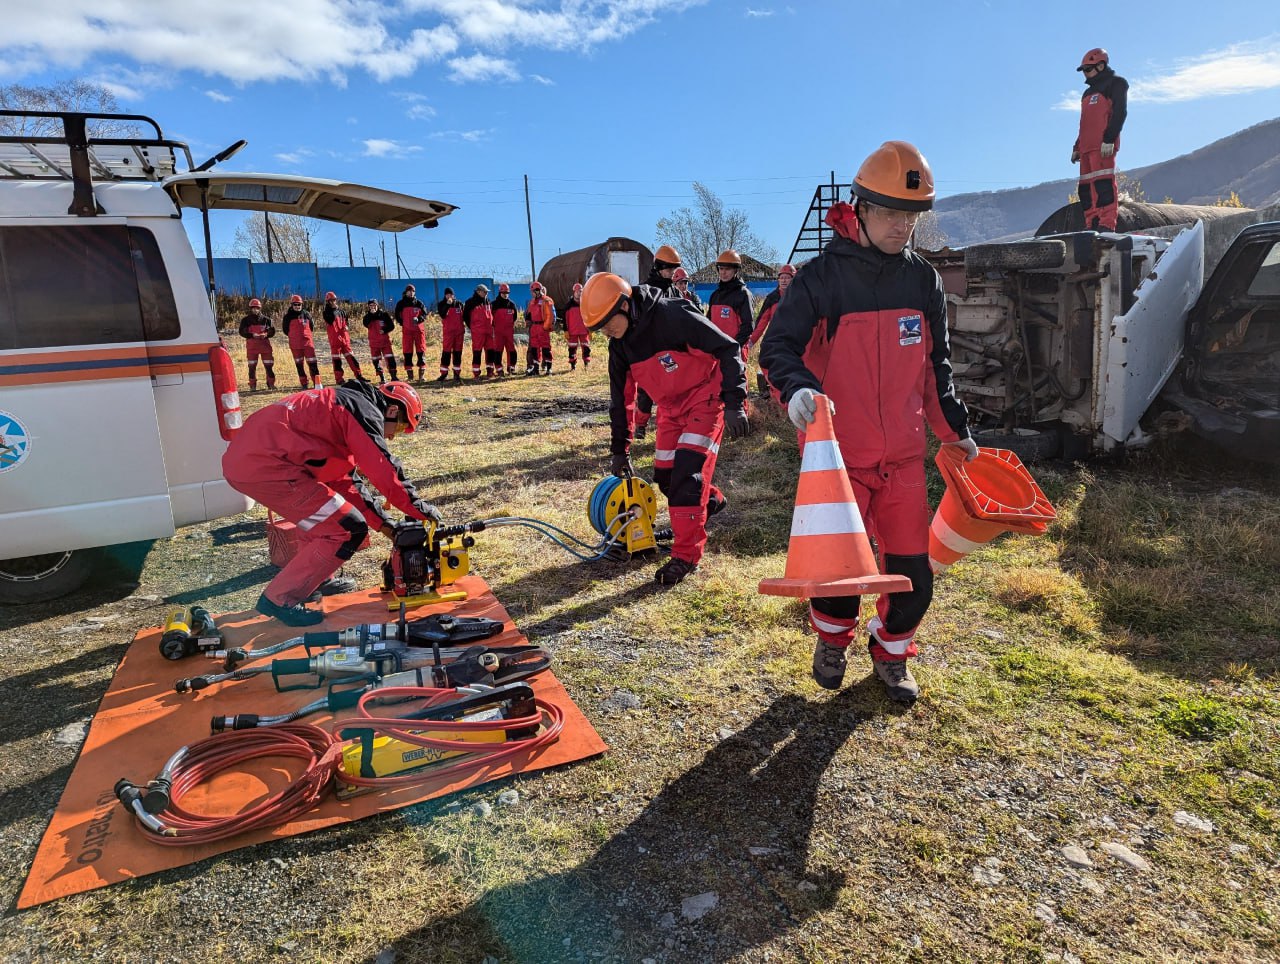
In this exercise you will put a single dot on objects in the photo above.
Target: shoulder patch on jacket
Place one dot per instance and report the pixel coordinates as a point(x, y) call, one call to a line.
point(910, 329)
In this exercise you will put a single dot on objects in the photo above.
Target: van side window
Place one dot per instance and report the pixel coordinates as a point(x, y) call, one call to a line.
point(82, 285)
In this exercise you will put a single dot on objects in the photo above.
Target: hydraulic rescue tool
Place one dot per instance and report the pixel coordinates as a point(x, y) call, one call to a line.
point(188, 632)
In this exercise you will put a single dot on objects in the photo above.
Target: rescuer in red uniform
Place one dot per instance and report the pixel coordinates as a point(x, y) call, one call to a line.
point(339, 332)
point(665, 262)
point(729, 307)
point(410, 314)
point(297, 325)
point(576, 333)
point(505, 314)
point(452, 332)
point(865, 323)
point(1103, 108)
point(477, 315)
point(380, 324)
point(541, 316)
point(256, 330)
point(297, 457)
point(785, 274)
point(675, 356)
point(680, 287)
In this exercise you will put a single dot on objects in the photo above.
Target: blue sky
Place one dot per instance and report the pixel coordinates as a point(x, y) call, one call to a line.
point(613, 107)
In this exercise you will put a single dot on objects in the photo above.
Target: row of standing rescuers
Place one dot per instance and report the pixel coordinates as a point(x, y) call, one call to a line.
point(863, 324)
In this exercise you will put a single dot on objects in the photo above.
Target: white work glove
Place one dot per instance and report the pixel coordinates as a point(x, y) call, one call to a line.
point(804, 406)
point(966, 445)
point(1107, 149)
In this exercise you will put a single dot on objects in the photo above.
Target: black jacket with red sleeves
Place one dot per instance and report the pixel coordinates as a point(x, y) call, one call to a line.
point(729, 309)
point(674, 354)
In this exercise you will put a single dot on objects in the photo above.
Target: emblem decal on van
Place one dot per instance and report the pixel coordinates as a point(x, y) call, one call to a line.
point(15, 443)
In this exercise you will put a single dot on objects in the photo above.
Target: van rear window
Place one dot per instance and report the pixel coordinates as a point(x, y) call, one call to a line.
point(83, 284)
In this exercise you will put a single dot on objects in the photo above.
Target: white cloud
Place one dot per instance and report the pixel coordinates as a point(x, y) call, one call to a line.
point(471, 136)
point(217, 95)
point(130, 85)
point(751, 12)
point(545, 81)
point(294, 157)
point(247, 41)
point(1239, 69)
point(418, 109)
point(481, 67)
point(381, 147)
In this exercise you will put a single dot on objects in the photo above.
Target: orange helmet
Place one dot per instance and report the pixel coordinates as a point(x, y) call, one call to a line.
point(504, 289)
point(895, 175)
point(679, 275)
point(402, 393)
point(602, 298)
point(296, 300)
point(255, 303)
point(1097, 57)
point(787, 269)
point(666, 256)
point(330, 296)
point(729, 259)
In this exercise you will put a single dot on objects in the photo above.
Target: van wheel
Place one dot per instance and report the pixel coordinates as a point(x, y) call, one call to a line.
point(1028, 444)
point(32, 579)
point(1015, 255)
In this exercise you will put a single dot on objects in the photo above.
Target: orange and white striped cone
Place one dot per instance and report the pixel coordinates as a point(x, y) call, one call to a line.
point(829, 554)
point(989, 496)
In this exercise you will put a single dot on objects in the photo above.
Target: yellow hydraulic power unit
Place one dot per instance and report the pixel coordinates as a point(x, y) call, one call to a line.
point(425, 558)
point(628, 505)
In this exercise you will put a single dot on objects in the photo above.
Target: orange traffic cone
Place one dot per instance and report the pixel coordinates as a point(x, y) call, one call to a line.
point(986, 497)
point(829, 554)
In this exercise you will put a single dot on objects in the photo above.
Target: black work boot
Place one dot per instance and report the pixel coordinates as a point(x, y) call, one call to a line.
point(673, 571)
point(715, 505)
point(828, 664)
point(295, 615)
point(896, 676)
point(333, 586)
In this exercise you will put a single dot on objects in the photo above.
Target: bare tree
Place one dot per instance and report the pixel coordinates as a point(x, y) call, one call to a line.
point(929, 236)
point(291, 237)
point(700, 233)
point(67, 95)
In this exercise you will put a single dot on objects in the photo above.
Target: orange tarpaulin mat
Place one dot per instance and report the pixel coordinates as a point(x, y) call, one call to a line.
point(92, 841)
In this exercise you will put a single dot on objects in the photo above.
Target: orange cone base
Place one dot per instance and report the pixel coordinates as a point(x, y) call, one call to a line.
point(860, 586)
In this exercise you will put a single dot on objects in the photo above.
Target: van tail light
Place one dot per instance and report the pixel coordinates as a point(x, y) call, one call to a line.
point(226, 394)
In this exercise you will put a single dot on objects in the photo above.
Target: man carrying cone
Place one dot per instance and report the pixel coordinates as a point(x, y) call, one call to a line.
point(883, 360)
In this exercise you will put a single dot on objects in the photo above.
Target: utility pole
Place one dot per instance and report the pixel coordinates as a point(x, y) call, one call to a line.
point(266, 222)
point(351, 261)
point(395, 239)
point(528, 216)
point(383, 242)
point(364, 258)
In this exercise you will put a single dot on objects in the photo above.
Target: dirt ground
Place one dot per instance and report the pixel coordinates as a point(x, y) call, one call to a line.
point(1091, 773)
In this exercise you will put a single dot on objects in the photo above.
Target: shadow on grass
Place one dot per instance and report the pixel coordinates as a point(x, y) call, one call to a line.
point(755, 791)
point(262, 574)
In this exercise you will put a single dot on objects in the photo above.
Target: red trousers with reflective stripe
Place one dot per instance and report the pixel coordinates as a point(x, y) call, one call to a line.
point(1098, 191)
point(330, 530)
point(685, 448)
point(259, 349)
point(895, 507)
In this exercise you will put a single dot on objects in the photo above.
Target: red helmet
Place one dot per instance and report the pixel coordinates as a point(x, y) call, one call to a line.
point(1097, 57)
point(255, 303)
point(679, 275)
point(296, 300)
point(536, 286)
point(330, 296)
point(787, 269)
point(577, 289)
point(504, 289)
point(403, 394)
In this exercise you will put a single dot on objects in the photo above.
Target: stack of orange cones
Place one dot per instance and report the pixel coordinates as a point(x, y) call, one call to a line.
point(829, 554)
point(986, 497)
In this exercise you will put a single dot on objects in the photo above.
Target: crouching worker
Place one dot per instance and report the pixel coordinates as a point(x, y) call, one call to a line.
point(865, 324)
point(298, 458)
point(694, 374)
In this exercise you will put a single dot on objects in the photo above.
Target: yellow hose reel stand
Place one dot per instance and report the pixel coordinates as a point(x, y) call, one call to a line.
point(633, 499)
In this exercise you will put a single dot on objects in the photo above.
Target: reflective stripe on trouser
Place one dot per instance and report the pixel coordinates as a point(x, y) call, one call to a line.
point(692, 443)
point(896, 512)
point(1098, 191)
point(329, 531)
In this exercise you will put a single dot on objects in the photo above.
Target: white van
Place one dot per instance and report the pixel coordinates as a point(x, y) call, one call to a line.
point(117, 397)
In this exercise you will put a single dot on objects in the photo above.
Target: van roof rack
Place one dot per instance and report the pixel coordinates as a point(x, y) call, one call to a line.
point(83, 159)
